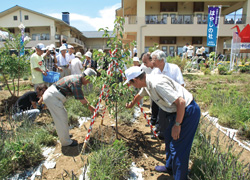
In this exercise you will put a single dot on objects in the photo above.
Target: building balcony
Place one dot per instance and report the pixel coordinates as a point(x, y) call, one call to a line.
point(180, 25)
point(75, 41)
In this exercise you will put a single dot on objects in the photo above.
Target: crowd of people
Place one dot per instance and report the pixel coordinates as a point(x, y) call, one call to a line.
point(174, 112)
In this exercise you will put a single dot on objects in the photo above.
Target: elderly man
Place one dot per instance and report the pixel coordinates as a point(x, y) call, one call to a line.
point(50, 59)
point(76, 64)
point(172, 71)
point(70, 55)
point(172, 98)
point(55, 96)
point(37, 65)
point(89, 63)
point(147, 64)
point(63, 62)
point(148, 67)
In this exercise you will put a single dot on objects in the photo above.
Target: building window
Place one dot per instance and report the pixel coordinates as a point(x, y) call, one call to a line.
point(27, 30)
point(171, 51)
point(26, 17)
point(169, 6)
point(12, 30)
point(196, 40)
point(179, 50)
point(198, 6)
point(165, 49)
point(167, 40)
point(36, 37)
point(15, 18)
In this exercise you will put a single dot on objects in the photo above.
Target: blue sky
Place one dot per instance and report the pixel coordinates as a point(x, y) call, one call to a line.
point(85, 15)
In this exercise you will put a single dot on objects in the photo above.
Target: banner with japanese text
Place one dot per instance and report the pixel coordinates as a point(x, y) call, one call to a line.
point(212, 25)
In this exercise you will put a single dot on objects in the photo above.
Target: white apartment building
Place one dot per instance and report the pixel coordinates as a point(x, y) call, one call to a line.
point(172, 24)
point(42, 28)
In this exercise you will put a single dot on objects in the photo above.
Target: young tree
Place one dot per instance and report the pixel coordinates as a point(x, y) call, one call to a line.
point(119, 57)
point(13, 62)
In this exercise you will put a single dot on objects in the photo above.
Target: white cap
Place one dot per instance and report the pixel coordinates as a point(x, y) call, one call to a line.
point(136, 59)
point(132, 73)
point(100, 50)
point(88, 54)
point(70, 46)
point(52, 46)
point(63, 48)
point(79, 54)
point(90, 72)
point(40, 46)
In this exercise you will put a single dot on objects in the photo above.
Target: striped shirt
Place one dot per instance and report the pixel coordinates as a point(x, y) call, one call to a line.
point(71, 86)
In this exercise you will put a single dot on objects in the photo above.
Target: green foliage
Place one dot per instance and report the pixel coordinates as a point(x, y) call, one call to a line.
point(155, 47)
point(19, 154)
point(110, 162)
point(244, 69)
point(178, 61)
point(42, 137)
point(21, 145)
point(223, 70)
point(75, 109)
point(210, 161)
point(12, 65)
point(206, 71)
point(225, 97)
point(118, 93)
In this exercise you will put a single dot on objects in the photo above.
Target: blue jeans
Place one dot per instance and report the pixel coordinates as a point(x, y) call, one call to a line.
point(178, 151)
point(30, 114)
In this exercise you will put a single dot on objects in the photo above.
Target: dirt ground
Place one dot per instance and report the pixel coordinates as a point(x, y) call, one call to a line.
point(145, 152)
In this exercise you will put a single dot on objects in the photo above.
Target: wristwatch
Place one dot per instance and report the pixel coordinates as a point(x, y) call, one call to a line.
point(177, 124)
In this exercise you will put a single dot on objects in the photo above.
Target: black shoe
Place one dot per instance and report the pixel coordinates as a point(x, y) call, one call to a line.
point(70, 135)
point(74, 143)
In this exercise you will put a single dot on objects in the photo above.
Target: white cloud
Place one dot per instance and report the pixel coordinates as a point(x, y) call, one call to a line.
point(87, 23)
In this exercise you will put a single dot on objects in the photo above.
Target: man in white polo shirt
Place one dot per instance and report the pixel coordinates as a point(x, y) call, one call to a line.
point(63, 62)
point(173, 98)
point(76, 64)
point(170, 70)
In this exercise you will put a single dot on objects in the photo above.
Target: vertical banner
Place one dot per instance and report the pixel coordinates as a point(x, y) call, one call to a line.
point(21, 42)
point(212, 25)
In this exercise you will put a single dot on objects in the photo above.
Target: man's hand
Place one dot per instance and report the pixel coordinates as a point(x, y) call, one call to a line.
point(60, 69)
point(44, 73)
point(176, 132)
point(129, 105)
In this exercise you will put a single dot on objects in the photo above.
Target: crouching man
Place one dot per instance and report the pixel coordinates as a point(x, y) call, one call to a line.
point(55, 96)
point(172, 98)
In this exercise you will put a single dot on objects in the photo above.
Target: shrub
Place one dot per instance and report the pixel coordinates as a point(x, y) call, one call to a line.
point(178, 61)
point(244, 69)
point(210, 162)
point(18, 155)
point(222, 70)
point(110, 162)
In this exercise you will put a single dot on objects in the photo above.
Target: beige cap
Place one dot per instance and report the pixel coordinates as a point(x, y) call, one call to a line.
point(90, 72)
point(79, 54)
point(88, 54)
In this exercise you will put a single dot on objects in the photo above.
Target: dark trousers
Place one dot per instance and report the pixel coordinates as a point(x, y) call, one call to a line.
point(178, 151)
point(155, 110)
point(164, 119)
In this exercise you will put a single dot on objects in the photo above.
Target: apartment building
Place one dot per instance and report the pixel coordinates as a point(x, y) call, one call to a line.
point(42, 28)
point(172, 24)
point(95, 40)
